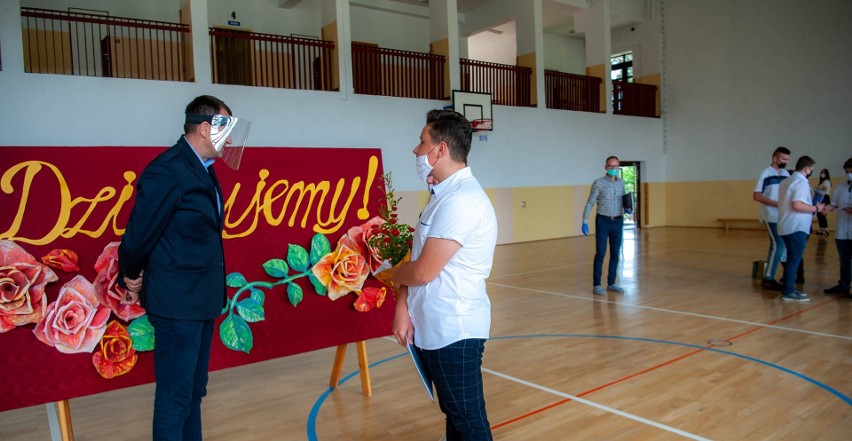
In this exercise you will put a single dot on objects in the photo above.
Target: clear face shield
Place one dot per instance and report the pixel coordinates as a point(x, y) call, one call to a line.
point(228, 135)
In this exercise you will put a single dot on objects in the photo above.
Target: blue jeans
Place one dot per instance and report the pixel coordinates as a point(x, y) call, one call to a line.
point(455, 372)
point(607, 228)
point(795, 243)
point(776, 251)
point(844, 250)
point(181, 358)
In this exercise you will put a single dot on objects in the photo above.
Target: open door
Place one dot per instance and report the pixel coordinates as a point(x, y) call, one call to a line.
point(631, 174)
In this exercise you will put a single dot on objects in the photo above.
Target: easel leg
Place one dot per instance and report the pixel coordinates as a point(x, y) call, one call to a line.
point(337, 368)
point(364, 365)
point(64, 412)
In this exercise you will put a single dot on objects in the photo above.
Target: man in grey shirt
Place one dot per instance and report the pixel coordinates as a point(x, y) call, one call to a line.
point(607, 192)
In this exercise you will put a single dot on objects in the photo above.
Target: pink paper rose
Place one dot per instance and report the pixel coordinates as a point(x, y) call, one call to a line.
point(76, 321)
point(107, 289)
point(22, 281)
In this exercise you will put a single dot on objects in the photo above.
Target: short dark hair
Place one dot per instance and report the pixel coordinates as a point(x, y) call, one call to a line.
point(848, 163)
point(203, 105)
point(452, 128)
point(804, 162)
point(612, 157)
point(782, 150)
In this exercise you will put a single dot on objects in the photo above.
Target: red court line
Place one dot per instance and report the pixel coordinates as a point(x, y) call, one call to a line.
point(653, 368)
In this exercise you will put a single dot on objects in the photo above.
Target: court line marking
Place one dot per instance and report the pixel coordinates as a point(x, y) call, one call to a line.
point(312, 417)
point(673, 311)
point(596, 405)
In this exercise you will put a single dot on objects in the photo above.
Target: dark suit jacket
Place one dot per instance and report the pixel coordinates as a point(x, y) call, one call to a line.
point(175, 235)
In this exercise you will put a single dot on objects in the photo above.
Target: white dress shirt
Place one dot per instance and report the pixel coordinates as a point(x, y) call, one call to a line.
point(455, 306)
point(790, 221)
point(843, 199)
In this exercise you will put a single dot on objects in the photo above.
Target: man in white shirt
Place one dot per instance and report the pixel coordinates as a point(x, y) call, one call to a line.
point(795, 215)
point(766, 193)
point(443, 308)
point(842, 202)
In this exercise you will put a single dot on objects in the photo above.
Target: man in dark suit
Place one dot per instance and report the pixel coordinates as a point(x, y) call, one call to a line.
point(174, 236)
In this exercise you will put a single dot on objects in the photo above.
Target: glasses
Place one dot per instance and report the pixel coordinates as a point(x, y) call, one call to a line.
point(613, 167)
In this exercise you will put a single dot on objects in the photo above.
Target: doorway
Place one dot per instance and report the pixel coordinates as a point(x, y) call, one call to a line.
point(630, 172)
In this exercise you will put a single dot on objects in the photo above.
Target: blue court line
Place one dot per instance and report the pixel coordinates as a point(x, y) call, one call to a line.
point(312, 418)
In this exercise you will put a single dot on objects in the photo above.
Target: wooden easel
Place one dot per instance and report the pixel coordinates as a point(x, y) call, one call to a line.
point(59, 420)
point(363, 365)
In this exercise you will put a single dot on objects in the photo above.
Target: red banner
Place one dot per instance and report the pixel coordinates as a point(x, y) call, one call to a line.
point(79, 199)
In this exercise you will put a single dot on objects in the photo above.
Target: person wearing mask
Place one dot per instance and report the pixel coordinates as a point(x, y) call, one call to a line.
point(608, 193)
point(823, 195)
point(842, 202)
point(443, 307)
point(795, 214)
point(171, 258)
point(766, 193)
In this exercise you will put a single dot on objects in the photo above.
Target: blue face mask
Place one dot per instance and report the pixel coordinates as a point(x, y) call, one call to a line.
point(612, 173)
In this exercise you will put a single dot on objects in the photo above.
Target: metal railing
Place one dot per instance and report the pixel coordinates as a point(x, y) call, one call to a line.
point(74, 43)
point(394, 72)
point(567, 91)
point(508, 85)
point(268, 60)
point(634, 99)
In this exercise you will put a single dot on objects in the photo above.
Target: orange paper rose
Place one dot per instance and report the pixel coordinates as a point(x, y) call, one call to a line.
point(76, 321)
point(116, 355)
point(370, 298)
point(342, 271)
point(22, 281)
point(63, 259)
point(107, 289)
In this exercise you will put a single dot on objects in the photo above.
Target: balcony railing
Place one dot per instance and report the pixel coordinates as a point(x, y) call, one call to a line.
point(268, 60)
point(634, 99)
point(567, 91)
point(393, 72)
point(73, 43)
point(508, 85)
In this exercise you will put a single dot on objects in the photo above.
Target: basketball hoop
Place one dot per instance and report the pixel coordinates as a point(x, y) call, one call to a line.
point(482, 125)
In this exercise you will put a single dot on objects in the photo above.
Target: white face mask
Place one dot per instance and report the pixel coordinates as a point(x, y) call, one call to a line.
point(849, 175)
point(424, 168)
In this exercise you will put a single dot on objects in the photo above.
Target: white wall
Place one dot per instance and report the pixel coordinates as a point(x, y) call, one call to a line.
point(494, 48)
point(744, 77)
point(644, 41)
point(407, 33)
point(565, 54)
point(162, 10)
point(264, 16)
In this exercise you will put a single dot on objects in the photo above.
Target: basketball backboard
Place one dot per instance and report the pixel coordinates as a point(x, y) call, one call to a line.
point(476, 107)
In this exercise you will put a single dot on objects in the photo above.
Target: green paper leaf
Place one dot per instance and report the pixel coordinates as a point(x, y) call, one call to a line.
point(294, 293)
point(142, 334)
point(298, 258)
point(236, 334)
point(235, 280)
point(276, 268)
point(318, 286)
point(258, 296)
point(319, 248)
point(250, 310)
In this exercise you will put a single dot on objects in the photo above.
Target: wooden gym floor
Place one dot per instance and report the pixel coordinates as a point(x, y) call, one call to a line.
point(693, 350)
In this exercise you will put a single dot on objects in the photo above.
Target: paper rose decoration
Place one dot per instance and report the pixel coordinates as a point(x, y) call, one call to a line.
point(116, 355)
point(22, 281)
point(107, 289)
point(76, 321)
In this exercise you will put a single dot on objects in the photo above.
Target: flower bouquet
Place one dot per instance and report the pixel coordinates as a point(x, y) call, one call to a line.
point(389, 241)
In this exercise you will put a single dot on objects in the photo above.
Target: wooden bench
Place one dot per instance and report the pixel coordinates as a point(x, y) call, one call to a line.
point(727, 221)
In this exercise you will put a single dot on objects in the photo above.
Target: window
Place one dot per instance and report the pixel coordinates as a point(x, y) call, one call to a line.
point(622, 67)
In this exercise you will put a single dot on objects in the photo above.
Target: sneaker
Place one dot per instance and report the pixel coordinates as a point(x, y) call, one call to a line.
point(598, 290)
point(771, 285)
point(837, 290)
point(795, 297)
point(614, 288)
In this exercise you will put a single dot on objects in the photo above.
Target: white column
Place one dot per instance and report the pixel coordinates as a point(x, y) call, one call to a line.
point(599, 44)
point(201, 42)
point(344, 51)
point(11, 39)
